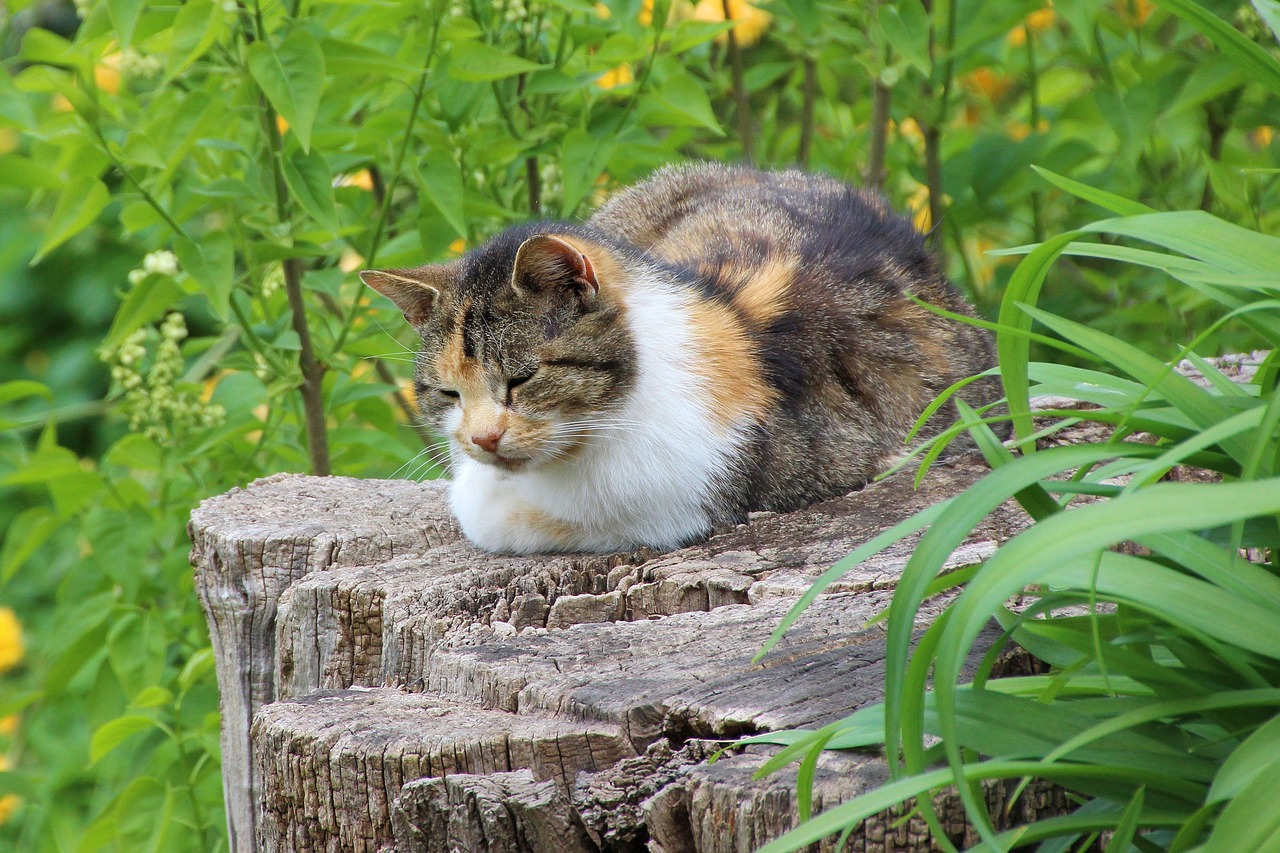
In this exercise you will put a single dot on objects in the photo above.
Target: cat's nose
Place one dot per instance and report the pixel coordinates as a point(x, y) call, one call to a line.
point(488, 439)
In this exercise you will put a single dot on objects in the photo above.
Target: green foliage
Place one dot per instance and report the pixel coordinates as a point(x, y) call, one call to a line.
point(1160, 708)
point(187, 189)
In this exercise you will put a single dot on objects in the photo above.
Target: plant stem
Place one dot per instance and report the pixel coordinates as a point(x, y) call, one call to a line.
point(881, 96)
point(534, 182)
point(743, 104)
point(1033, 81)
point(419, 91)
point(807, 110)
point(659, 25)
point(312, 370)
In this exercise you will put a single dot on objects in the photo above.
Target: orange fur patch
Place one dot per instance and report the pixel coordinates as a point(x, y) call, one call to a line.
point(563, 533)
point(609, 275)
point(761, 295)
point(725, 358)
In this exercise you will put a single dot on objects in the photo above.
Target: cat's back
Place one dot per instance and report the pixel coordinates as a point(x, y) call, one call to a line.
point(819, 277)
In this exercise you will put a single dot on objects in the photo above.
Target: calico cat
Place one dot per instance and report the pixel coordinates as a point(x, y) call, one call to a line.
point(715, 340)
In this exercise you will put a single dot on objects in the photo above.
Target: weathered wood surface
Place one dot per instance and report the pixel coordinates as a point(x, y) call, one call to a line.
point(496, 673)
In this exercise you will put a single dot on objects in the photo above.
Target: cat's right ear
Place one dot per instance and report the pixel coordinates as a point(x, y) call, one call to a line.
point(413, 296)
point(544, 262)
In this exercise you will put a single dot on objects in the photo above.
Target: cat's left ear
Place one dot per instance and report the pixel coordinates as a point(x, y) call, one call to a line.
point(411, 294)
point(546, 263)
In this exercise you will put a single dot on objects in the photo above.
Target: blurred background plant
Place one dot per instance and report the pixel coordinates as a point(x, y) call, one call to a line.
point(186, 191)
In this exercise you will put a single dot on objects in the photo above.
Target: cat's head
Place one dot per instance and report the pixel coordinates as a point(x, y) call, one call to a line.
point(525, 350)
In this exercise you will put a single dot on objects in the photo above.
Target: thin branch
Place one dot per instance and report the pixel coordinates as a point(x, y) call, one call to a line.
point(1033, 81)
point(743, 104)
point(807, 110)
point(881, 97)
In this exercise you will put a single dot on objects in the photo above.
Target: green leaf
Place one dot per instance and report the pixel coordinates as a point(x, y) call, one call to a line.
point(25, 173)
point(211, 263)
point(147, 301)
point(906, 27)
point(1270, 12)
point(152, 697)
point(311, 184)
point(124, 17)
point(477, 62)
point(292, 78)
point(1250, 820)
point(76, 209)
point(110, 735)
point(196, 28)
point(27, 531)
point(441, 182)
point(686, 96)
point(136, 451)
point(1260, 66)
point(199, 665)
point(1258, 757)
point(583, 158)
point(347, 58)
point(1110, 201)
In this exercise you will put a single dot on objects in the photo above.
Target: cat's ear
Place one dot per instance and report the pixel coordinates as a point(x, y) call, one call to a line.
point(549, 263)
point(411, 294)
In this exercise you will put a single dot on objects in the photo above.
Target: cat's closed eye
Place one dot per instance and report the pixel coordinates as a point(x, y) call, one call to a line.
point(515, 382)
point(423, 388)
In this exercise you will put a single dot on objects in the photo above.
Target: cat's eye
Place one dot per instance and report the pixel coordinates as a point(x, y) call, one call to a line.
point(516, 381)
point(448, 392)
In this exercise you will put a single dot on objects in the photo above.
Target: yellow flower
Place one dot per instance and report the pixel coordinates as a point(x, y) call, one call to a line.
point(603, 12)
point(1039, 20)
point(918, 202)
point(1135, 12)
point(984, 81)
point(350, 261)
point(8, 140)
point(618, 76)
point(9, 802)
point(909, 129)
point(362, 179)
point(282, 124)
point(1262, 135)
point(9, 724)
point(1020, 130)
point(457, 247)
point(107, 77)
point(11, 649)
point(752, 22)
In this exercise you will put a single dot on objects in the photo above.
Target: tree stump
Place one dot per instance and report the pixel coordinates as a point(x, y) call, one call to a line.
point(386, 686)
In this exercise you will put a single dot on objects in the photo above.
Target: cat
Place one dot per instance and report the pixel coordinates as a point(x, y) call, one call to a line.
point(715, 340)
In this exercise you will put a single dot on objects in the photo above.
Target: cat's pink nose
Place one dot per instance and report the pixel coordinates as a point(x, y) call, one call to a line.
point(488, 439)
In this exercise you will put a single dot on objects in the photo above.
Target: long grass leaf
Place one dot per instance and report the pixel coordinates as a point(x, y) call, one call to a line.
point(1127, 825)
point(1012, 349)
point(1108, 201)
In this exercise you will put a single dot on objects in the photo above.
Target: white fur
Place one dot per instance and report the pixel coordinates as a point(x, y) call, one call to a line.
point(644, 482)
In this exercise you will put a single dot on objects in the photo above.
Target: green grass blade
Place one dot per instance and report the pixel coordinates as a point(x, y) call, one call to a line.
point(1013, 349)
point(1108, 201)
